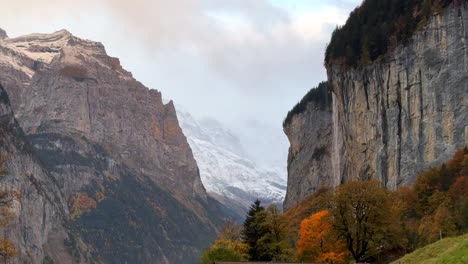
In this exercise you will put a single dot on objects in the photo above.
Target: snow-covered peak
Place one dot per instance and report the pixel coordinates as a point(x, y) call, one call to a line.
point(235, 179)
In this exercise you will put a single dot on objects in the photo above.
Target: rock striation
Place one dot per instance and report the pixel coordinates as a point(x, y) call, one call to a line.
point(131, 187)
point(310, 133)
point(398, 116)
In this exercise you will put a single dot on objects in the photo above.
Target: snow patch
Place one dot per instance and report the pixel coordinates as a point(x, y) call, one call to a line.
point(225, 169)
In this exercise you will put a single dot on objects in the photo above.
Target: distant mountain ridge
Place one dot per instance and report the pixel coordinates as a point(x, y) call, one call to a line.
point(226, 169)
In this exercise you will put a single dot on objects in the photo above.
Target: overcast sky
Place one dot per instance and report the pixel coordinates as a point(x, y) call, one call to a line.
point(242, 62)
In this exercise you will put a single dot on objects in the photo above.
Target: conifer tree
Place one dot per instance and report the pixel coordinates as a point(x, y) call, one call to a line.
point(274, 244)
point(253, 230)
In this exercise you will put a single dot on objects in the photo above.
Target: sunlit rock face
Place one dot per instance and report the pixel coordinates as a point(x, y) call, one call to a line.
point(100, 132)
point(401, 115)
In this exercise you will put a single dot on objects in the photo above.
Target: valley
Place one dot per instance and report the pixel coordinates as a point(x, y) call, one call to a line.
point(98, 166)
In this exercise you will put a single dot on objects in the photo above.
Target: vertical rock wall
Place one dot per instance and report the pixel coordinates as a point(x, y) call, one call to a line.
point(407, 112)
point(392, 119)
point(310, 133)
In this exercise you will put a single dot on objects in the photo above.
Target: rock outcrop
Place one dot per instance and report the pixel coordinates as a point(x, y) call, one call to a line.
point(310, 133)
point(404, 113)
point(131, 186)
point(3, 34)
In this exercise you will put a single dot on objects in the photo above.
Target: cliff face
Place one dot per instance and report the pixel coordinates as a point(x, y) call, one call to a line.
point(37, 229)
point(404, 113)
point(407, 112)
point(310, 133)
point(74, 88)
point(131, 185)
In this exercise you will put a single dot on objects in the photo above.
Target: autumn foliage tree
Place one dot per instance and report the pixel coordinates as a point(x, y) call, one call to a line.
point(437, 204)
point(227, 247)
point(318, 241)
point(377, 224)
point(367, 218)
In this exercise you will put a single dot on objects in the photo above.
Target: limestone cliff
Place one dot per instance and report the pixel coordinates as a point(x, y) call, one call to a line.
point(403, 113)
point(38, 226)
point(131, 186)
point(309, 131)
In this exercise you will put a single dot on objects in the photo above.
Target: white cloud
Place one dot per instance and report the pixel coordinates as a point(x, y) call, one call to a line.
point(233, 60)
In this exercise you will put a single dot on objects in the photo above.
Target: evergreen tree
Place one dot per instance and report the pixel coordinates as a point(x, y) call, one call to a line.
point(274, 244)
point(253, 229)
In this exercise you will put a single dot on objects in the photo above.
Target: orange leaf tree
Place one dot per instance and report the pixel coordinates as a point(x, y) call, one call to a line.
point(317, 242)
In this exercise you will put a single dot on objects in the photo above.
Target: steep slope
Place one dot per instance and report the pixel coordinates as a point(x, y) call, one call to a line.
point(451, 250)
point(38, 228)
point(399, 115)
point(309, 130)
point(226, 170)
point(115, 150)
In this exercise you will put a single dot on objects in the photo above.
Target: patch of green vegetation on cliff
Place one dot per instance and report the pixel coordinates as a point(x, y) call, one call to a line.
point(321, 95)
point(453, 250)
point(378, 26)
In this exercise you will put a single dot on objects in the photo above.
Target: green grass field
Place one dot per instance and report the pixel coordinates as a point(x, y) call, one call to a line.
point(452, 250)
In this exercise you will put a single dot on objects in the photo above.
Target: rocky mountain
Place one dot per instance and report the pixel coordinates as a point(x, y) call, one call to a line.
point(226, 170)
point(106, 153)
point(392, 118)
